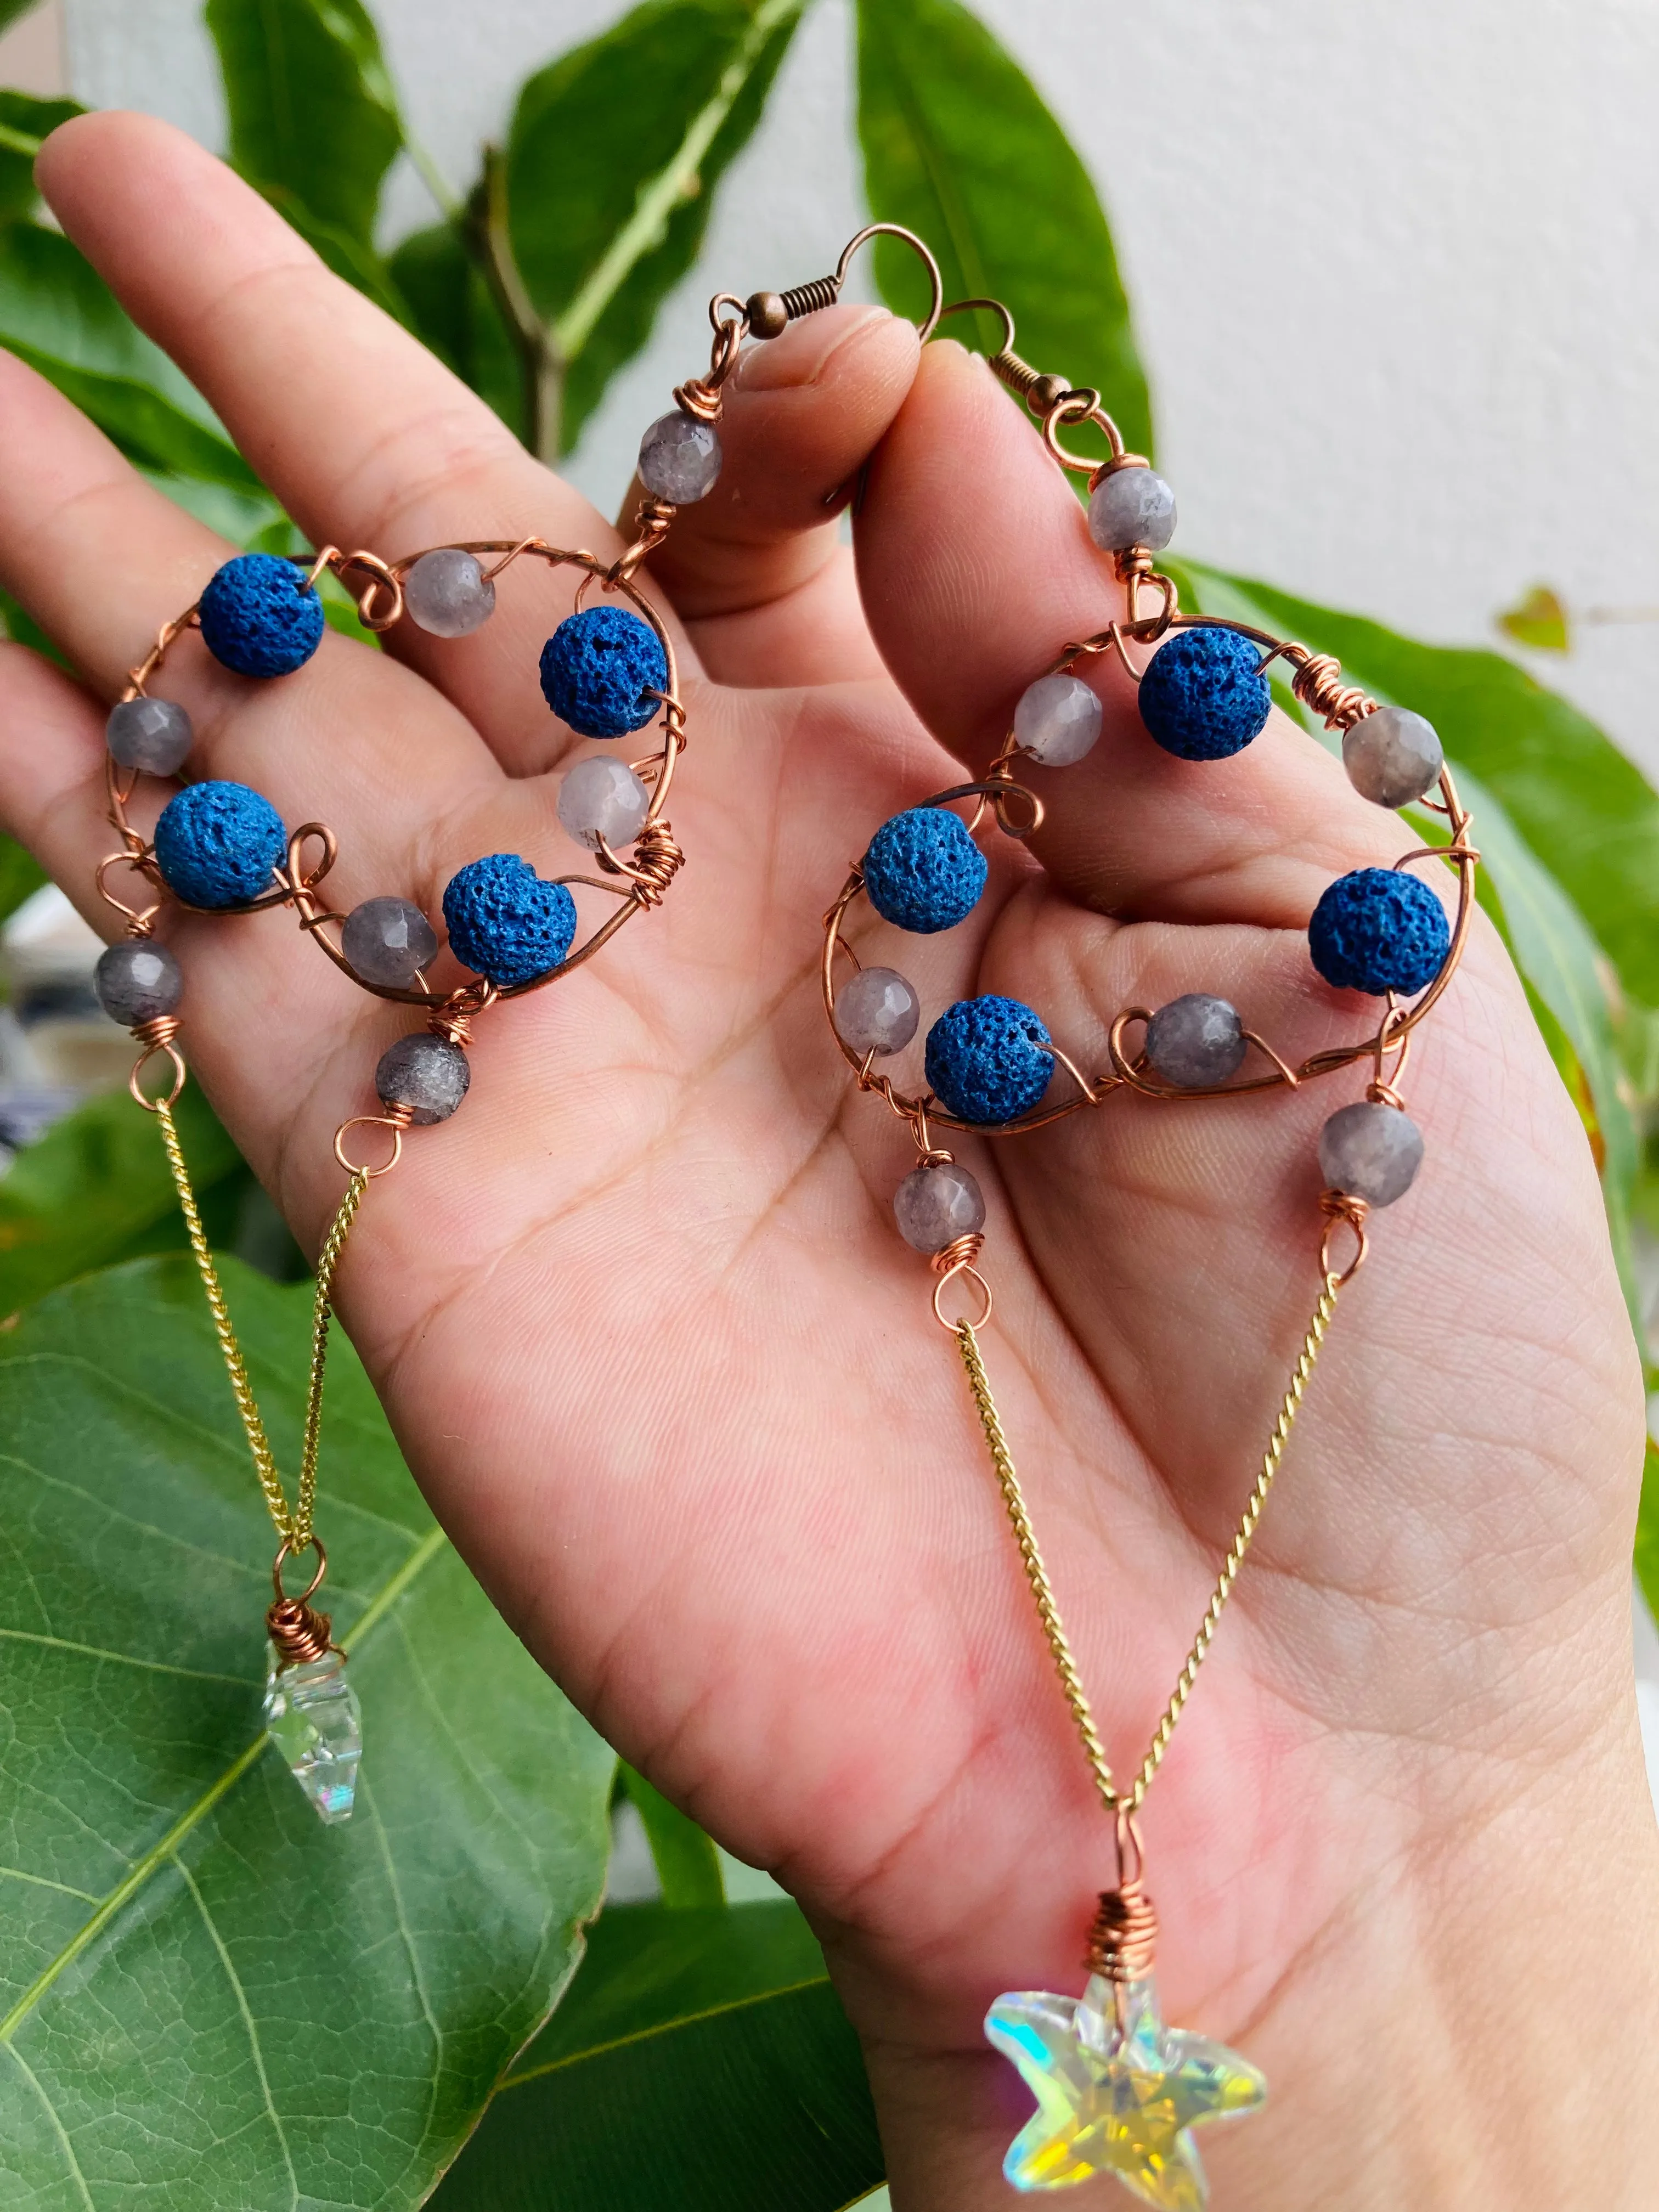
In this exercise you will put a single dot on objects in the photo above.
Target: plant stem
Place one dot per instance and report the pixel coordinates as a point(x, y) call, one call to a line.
point(542, 359)
point(658, 198)
point(546, 350)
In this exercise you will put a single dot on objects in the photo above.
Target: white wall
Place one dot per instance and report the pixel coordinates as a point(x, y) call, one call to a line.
point(1393, 262)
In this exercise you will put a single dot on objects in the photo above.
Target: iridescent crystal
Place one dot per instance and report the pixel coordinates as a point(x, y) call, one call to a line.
point(1117, 2099)
point(314, 1720)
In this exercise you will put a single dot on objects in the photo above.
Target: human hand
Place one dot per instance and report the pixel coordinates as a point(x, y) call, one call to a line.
point(649, 1341)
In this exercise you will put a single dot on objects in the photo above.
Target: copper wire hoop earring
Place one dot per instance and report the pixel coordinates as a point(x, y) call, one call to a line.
point(608, 672)
point(1117, 2092)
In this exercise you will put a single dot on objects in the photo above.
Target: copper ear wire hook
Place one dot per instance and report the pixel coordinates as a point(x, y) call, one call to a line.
point(929, 323)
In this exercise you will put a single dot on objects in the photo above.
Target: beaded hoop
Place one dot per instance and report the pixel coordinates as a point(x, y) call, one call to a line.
point(1117, 2091)
point(607, 671)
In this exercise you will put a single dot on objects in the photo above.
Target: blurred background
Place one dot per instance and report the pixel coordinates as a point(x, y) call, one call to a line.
point(1391, 266)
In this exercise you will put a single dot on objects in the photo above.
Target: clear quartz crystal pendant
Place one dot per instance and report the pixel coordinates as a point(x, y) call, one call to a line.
point(1117, 2093)
point(314, 1720)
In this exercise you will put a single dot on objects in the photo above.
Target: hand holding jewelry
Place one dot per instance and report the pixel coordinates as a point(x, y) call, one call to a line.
point(648, 1338)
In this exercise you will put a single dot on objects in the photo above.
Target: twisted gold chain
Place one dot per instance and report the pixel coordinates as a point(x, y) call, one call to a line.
point(1037, 1574)
point(292, 1526)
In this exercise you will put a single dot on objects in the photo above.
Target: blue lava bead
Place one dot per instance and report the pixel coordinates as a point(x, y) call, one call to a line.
point(505, 922)
point(216, 844)
point(257, 619)
point(1379, 930)
point(601, 670)
point(923, 872)
point(985, 1061)
point(1203, 695)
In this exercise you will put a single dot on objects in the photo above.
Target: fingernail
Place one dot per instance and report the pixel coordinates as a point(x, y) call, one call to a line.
point(800, 355)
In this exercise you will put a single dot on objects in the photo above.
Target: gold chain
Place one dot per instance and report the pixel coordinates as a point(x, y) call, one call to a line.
point(293, 1527)
point(1037, 1574)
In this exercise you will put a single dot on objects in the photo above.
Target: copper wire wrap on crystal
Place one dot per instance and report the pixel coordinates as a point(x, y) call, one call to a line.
point(1123, 1941)
point(298, 1631)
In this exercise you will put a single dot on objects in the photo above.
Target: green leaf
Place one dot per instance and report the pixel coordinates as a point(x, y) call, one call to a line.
point(614, 156)
point(687, 1865)
point(452, 310)
point(1647, 1529)
point(95, 1188)
point(209, 2000)
point(59, 315)
point(314, 119)
point(1538, 620)
point(20, 876)
point(1562, 970)
point(25, 122)
point(959, 146)
point(1588, 813)
point(701, 2060)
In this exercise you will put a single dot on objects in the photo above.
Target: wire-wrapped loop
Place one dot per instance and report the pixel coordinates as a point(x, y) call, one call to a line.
point(375, 611)
point(1339, 1206)
point(1318, 682)
point(1123, 1941)
point(297, 1630)
point(652, 519)
point(955, 1259)
point(157, 1038)
point(140, 921)
point(396, 1119)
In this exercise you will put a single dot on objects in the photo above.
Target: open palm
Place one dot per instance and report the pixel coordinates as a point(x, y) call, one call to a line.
point(649, 1341)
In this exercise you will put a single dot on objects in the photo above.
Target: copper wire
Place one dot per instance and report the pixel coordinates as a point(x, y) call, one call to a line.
point(809, 298)
point(1123, 1941)
point(956, 1261)
point(1316, 681)
point(299, 1632)
point(1340, 1207)
point(652, 519)
point(157, 1038)
point(396, 1119)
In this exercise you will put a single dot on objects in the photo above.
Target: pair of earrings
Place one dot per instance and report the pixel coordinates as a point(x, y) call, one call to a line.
point(1117, 2091)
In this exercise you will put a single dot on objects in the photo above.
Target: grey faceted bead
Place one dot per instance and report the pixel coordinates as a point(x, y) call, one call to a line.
point(679, 458)
point(1392, 756)
point(1196, 1041)
point(426, 1073)
point(603, 797)
point(1370, 1150)
point(152, 734)
point(447, 593)
point(1132, 507)
point(934, 1205)
point(877, 1010)
point(137, 981)
point(387, 939)
point(1057, 720)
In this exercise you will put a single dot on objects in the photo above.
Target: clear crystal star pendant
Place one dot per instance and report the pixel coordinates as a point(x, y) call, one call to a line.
point(1118, 2101)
